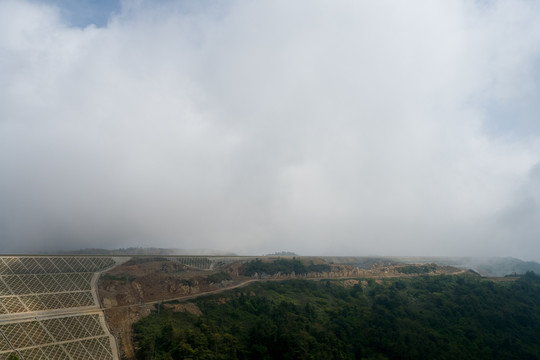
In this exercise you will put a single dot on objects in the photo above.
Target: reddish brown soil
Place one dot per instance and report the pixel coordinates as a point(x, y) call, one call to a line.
point(130, 291)
point(127, 291)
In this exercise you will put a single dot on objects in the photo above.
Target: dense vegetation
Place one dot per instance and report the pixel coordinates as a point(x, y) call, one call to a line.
point(283, 266)
point(427, 317)
point(416, 269)
point(219, 277)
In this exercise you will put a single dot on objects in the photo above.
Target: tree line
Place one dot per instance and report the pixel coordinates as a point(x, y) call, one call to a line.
point(426, 317)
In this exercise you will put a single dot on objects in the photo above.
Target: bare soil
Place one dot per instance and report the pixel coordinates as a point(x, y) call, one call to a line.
point(133, 290)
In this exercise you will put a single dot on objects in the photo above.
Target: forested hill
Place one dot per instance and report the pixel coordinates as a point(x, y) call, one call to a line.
point(428, 317)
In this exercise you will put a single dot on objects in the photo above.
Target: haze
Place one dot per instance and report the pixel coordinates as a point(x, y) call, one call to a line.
point(337, 128)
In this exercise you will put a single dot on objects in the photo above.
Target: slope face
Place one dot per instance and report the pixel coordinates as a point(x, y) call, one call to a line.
point(49, 308)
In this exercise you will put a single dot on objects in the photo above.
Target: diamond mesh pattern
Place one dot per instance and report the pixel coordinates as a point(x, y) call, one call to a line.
point(36, 332)
point(106, 353)
point(75, 328)
point(97, 348)
point(77, 351)
point(16, 285)
point(16, 335)
point(47, 283)
point(15, 265)
point(198, 262)
point(12, 304)
point(43, 265)
point(4, 269)
point(72, 264)
point(57, 330)
point(65, 281)
point(32, 267)
point(84, 298)
point(33, 283)
point(60, 264)
point(92, 325)
point(81, 280)
point(46, 265)
point(85, 278)
point(51, 301)
point(67, 300)
point(33, 303)
point(55, 352)
point(4, 344)
point(74, 281)
point(69, 328)
point(86, 263)
point(33, 354)
point(3, 288)
point(82, 337)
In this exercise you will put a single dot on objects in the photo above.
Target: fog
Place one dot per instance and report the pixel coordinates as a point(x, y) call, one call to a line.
point(337, 128)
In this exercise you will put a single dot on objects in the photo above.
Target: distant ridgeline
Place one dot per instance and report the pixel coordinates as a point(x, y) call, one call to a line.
point(486, 266)
point(424, 317)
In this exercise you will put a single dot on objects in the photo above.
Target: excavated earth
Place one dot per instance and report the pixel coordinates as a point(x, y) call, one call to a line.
point(134, 289)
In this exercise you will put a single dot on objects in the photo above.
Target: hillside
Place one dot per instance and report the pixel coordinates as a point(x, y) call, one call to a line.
point(443, 317)
point(485, 266)
point(130, 291)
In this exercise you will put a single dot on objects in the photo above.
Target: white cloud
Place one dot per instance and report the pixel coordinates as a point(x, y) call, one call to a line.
point(348, 127)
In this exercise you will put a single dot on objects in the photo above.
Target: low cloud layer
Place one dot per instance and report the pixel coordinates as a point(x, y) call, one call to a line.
point(347, 128)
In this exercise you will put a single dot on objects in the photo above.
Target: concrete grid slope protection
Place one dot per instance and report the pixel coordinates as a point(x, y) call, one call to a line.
point(49, 308)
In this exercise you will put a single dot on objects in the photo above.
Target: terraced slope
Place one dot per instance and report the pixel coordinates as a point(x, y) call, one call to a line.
point(49, 308)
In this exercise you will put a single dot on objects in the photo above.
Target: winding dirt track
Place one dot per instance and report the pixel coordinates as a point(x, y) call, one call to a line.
point(245, 283)
point(120, 318)
point(193, 296)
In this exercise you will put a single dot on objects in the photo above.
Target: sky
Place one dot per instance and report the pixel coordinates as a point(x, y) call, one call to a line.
point(336, 128)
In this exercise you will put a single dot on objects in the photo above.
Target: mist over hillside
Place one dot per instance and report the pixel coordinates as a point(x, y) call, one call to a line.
point(323, 128)
point(424, 317)
point(485, 266)
point(145, 251)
